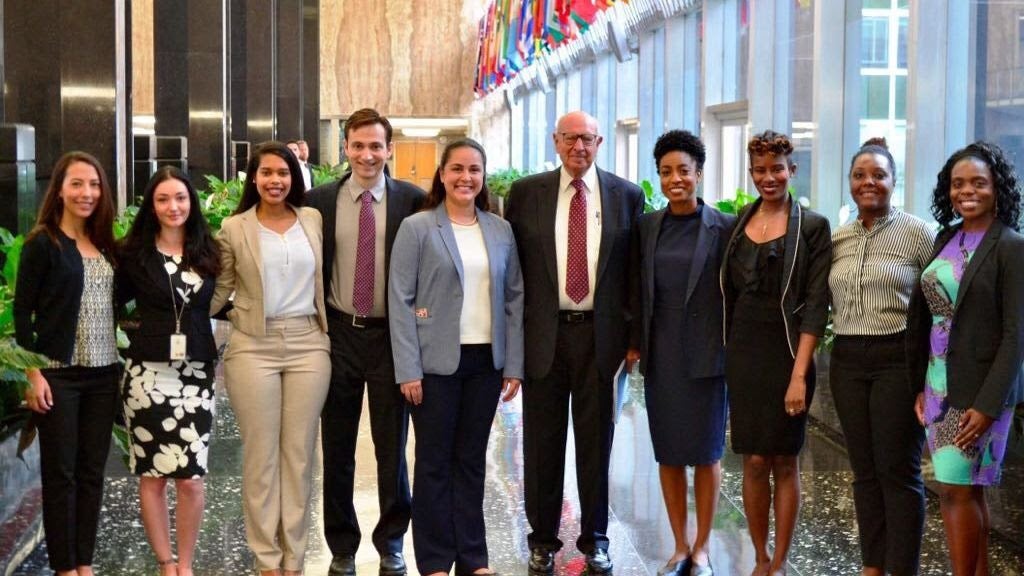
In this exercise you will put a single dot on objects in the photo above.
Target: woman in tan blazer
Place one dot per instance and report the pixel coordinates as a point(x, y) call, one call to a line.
point(277, 367)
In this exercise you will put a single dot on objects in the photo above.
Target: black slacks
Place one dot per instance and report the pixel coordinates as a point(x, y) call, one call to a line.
point(362, 356)
point(572, 381)
point(452, 427)
point(74, 441)
point(884, 439)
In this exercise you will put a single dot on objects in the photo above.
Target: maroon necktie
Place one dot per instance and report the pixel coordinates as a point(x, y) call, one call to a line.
point(577, 280)
point(362, 287)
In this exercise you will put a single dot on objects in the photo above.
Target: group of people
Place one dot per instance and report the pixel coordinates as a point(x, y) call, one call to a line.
point(439, 309)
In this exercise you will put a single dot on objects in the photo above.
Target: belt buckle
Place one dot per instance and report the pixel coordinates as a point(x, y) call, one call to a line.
point(575, 317)
point(356, 321)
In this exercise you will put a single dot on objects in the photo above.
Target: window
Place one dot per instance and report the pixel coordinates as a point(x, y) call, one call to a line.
point(874, 43)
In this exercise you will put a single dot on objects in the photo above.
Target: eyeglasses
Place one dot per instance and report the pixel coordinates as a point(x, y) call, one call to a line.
point(570, 138)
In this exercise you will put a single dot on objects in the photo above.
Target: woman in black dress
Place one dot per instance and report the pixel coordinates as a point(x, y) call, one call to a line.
point(170, 266)
point(64, 309)
point(679, 251)
point(775, 282)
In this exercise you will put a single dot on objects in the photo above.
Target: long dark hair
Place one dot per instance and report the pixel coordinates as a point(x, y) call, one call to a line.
point(201, 252)
point(251, 196)
point(1004, 183)
point(99, 226)
point(437, 192)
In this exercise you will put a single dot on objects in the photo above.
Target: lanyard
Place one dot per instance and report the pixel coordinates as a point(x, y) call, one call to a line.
point(174, 301)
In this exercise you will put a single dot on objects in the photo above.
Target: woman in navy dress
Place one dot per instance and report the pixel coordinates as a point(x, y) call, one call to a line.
point(679, 252)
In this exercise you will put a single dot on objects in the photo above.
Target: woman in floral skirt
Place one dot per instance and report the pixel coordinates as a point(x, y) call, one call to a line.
point(170, 266)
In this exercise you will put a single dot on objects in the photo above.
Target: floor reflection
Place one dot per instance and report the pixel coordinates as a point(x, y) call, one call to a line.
point(640, 536)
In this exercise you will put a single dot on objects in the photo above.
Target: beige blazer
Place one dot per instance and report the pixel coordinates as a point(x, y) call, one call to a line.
point(242, 269)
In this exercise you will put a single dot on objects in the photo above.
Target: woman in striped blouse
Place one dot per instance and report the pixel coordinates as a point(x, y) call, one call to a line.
point(876, 260)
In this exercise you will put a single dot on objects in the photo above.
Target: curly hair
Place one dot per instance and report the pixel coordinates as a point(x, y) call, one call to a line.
point(876, 145)
point(1004, 182)
point(769, 142)
point(680, 141)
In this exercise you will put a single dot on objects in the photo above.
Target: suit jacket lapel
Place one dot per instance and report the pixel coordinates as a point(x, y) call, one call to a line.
point(311, 233)
point(702, 249)
point(609, 216)
point(490, 236)
point(394, 209)
point(547, 208)
point(649, 248)
point(251, 233)
point(154, 266)
point(444, 227)
point(988, 242)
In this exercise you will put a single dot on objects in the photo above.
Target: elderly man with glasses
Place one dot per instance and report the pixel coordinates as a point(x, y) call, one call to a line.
point(572, 226)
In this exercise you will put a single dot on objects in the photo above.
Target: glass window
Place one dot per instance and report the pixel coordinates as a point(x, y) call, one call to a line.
point(901, 44)
point(900, 107)
point(874, 43)
point(877, 4)
point(999, 100)
point(801, 103)
point(874, 100)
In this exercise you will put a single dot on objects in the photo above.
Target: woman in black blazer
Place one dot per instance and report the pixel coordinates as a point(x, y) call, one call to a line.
point(64, 309)
point(678, 252)
point(170, 265)
point(775, 285)
point(966, 341)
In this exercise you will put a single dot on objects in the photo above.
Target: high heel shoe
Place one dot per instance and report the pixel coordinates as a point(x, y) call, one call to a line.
point(680, 568)
point(702, 569)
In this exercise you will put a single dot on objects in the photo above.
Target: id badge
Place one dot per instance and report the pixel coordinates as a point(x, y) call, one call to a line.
point(178, 346)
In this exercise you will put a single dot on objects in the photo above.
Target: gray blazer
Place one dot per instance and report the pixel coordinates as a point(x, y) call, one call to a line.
point(425, 296)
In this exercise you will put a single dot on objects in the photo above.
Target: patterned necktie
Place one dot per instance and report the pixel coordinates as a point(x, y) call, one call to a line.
point(362, 287)
point(577, 280)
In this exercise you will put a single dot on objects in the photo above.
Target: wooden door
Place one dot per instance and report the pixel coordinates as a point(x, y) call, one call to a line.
point(415, 161)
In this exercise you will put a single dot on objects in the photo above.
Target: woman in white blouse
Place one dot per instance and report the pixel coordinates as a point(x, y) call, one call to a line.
point(455, 305)
point(277, 367)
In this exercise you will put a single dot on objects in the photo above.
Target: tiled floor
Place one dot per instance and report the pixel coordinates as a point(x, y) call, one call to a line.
point(639, 532)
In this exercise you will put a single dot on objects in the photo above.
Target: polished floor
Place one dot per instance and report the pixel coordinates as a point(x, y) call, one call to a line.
point(640, 536)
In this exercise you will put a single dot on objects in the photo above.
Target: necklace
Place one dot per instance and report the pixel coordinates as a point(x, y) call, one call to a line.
point(765, 220)
point(470, 223)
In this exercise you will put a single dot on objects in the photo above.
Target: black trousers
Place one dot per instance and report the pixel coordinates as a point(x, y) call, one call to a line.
point(362, 357)
point(884, 439)
point(74, 441)
point(452, 427)
point(573, 381)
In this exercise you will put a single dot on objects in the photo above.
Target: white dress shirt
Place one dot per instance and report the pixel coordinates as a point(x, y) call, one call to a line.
point(593, 196)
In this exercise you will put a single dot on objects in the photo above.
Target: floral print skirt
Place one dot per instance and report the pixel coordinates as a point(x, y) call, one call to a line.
point(168, 410)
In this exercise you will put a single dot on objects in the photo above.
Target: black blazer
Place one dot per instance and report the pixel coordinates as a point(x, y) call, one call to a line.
point(705, 355)
point(531, 207)
point(986, 337)
point(145, 281)
point(806, 262)
point(403, 199)
point(48, 296)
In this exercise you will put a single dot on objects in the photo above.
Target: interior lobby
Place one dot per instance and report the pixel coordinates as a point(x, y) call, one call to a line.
point(198, 84)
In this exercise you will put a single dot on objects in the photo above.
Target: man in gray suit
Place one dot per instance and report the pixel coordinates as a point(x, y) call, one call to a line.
point(572, 226)
point(361, 214)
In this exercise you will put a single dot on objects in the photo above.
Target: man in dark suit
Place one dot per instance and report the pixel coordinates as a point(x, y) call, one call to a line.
point(361, 214)
point(572, 226)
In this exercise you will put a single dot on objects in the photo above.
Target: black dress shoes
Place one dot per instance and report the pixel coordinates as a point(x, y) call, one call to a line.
point(392, 564)
point(542, 562)
point(598, 563)
point(343, 565)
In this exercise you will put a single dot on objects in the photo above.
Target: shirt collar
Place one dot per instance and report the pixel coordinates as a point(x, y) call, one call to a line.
point(377, 190)
point(879, 223)
point(589, 178)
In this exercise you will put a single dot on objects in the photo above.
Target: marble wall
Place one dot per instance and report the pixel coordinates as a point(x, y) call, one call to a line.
point(408, 59)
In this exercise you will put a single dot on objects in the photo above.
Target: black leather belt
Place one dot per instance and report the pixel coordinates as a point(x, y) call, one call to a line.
point(575, 316)
point(356, 321)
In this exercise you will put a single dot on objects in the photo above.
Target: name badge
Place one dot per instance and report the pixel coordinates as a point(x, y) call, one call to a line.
point(178, 346)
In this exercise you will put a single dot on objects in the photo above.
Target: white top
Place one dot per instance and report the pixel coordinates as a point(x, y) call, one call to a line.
point(565, 194)
point(475, 319)
point(289, 273)
point(307, 176)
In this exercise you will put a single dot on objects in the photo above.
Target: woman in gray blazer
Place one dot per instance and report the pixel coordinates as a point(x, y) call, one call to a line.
point(966, 341)
point(455, 305)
